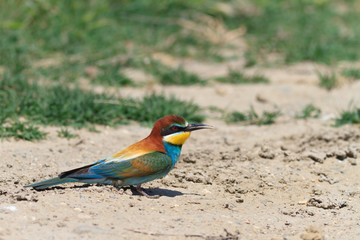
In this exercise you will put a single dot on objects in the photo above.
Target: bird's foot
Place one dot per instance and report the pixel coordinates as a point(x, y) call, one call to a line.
point(117, 184)
point(142, 192)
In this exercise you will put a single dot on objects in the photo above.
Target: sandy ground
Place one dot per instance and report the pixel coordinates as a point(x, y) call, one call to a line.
point(296, 179)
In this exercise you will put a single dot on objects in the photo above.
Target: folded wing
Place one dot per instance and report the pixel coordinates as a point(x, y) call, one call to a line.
point(148, 164)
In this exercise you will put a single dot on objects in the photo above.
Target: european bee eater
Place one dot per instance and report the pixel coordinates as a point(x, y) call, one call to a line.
point(147, 160)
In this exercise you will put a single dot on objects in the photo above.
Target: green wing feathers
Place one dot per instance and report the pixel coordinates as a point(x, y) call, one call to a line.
point(140, 166)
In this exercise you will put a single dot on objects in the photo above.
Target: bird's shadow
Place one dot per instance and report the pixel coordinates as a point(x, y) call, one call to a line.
point(158, 191)
point(151, 191)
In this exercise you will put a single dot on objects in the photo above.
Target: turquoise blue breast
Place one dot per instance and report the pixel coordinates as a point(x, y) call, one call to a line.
point(173, 151)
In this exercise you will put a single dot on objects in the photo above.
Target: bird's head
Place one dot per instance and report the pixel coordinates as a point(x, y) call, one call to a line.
point(175, 130)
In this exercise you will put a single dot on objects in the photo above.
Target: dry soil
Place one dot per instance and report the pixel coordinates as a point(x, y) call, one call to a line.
point(296, 179)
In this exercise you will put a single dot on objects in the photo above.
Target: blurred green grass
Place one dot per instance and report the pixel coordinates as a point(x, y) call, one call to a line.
point(323, 31)
point(352, 73)
point(327, 80)
point(62, 106)
point(237, 77)
point(301, 30)
point(92, 30)
point(65, 133)
point(167, 75)
point(351, 116)
point(309, 111)
point(250, 117)
point(21, 130)
point(47, 44)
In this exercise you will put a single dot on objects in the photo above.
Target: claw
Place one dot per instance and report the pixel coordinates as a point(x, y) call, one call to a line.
point(142, 192)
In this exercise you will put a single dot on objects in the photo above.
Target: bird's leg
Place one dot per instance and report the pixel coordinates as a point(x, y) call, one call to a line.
point(117, 184)
point(142, 192)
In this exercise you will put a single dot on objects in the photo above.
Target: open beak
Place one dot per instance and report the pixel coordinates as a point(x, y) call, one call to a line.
point(197, 126)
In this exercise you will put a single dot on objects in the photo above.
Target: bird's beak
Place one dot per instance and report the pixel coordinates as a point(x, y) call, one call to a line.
point(197, 126)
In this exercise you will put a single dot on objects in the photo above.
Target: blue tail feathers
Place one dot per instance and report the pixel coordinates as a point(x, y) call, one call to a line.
point(81, 174)
point(51, 182)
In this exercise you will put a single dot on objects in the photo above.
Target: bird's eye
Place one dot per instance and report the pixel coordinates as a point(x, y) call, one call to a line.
point(174, 128)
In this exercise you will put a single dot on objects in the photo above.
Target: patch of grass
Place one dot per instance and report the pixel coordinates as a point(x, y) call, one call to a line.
point(179, 77)
point(352, 73)
point(70, 71)
point(21, 130)
point(252, 118)
point(215, 109)
point(62, 106)
point(93, 129)
point(251, 58)
point(327, 81)
point(191, 46)
point(299, 30)
point(13, 89)
point(167, 75)
point(154, 107)
point(239, 78)
point(65, 133)
point(64, 72)
point(309, 111)
point(92, 31)
point(111, 75)
point(348, 117)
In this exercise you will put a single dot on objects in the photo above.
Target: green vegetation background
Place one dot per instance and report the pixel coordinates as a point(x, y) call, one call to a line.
point(112, 35)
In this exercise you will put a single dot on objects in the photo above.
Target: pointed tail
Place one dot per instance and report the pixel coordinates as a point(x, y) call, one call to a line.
point(51, 182)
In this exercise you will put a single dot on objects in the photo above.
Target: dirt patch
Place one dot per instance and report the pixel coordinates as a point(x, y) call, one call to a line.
point(233, 182)
point(312, 233)
point(229, 184)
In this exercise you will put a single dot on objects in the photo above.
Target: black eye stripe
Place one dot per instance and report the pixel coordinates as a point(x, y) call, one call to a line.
point(171, 129)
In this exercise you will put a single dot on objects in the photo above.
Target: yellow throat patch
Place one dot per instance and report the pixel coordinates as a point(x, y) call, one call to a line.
point(177, 138)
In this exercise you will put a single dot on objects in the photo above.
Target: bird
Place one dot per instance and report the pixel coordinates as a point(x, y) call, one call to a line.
point(149, 159)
